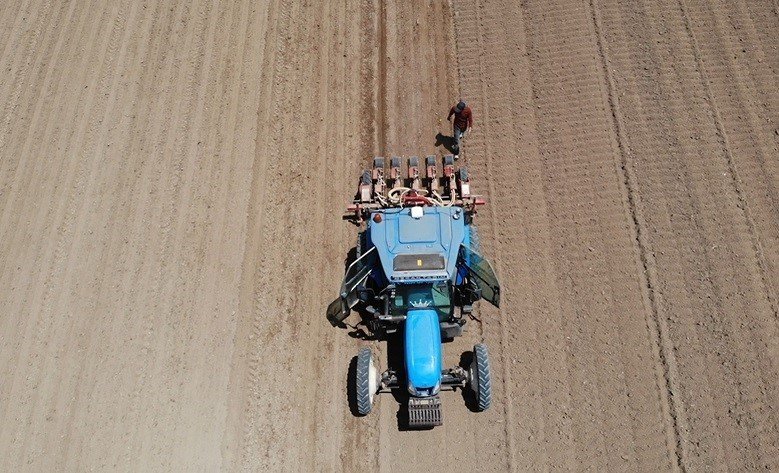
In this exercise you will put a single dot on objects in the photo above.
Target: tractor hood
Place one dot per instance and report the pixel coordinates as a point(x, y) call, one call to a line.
point(418, 243)
point(423, 351)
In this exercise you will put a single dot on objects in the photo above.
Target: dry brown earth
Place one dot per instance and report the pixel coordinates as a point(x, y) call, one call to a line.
point(172, 176)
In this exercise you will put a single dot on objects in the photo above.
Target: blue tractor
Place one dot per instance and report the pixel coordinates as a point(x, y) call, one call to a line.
point(417, 274)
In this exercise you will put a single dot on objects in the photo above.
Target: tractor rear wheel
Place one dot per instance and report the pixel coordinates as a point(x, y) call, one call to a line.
point(480, 376)
point(367, 380)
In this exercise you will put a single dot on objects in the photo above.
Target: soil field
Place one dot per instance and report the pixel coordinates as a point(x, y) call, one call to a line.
point(172, 179)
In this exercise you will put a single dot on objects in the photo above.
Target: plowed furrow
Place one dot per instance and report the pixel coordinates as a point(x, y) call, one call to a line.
point(420, 88)
point(172, 181)
point(561, 238)
point(710, 285)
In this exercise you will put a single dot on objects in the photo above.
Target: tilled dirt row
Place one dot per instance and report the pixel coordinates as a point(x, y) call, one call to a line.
point(126, 142)
point(702, 184)
point(420, 79)
point(574, 335)
point(654, 109)
point(172, 177)
point(287, 392)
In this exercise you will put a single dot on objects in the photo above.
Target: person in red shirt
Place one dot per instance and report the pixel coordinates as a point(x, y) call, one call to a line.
point(463, 121)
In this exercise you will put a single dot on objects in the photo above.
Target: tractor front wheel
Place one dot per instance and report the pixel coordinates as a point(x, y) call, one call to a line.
point(480, 377)
point(367, 380)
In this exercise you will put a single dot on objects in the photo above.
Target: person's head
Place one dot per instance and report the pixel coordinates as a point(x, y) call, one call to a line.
point(460, 106)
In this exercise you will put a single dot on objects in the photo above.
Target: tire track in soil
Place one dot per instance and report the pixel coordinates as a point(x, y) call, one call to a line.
point(54, 277)
point(740, 87)
point(736, 180)
point(114, 341)
point(19, 62)
point(709, 283)
point(53, 83)
point(419, 76)
point(53, 245)
point(153, 310)
point(657, 326)
point(143, 275)
point(117, 217)
point(32, 78)
point(339, 172)
point(762, 18)
point(244, 365)
point(487, 313)
point(15, 233)
point(196, 224)
point(381, 103)
point(70, 229)
point(253, 335)
point(357, 449)
point(296, 240)
point(149, 395)
point(359, 435)
point(551, 168)
point(80, 381)
point(10, 18)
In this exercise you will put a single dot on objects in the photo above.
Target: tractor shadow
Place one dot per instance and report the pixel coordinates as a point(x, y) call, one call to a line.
point(355, 331)
point(447, 142)
point(469, 397)
point(401, 395)
point(335, 306)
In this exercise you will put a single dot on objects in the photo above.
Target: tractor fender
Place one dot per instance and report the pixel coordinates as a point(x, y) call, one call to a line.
point(423, 353)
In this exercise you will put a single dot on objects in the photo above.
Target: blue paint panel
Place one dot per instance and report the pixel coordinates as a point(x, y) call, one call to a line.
point(422, 230)
point(386, 234)
point(423, 348)
point(437, 232)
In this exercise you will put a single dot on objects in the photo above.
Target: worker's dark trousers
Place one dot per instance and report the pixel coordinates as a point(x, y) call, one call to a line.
point(458, 136)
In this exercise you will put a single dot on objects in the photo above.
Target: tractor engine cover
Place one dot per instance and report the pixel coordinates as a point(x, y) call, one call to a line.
point(423, 352)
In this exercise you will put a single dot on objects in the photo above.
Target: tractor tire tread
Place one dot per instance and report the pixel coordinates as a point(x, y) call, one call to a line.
point(484, 391)
point(363, 375)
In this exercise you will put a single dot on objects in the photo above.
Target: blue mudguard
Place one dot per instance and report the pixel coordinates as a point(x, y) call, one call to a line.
point(423, 351)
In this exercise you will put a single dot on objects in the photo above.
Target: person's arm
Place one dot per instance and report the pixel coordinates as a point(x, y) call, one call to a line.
point(451, 112)
point(470, 120)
